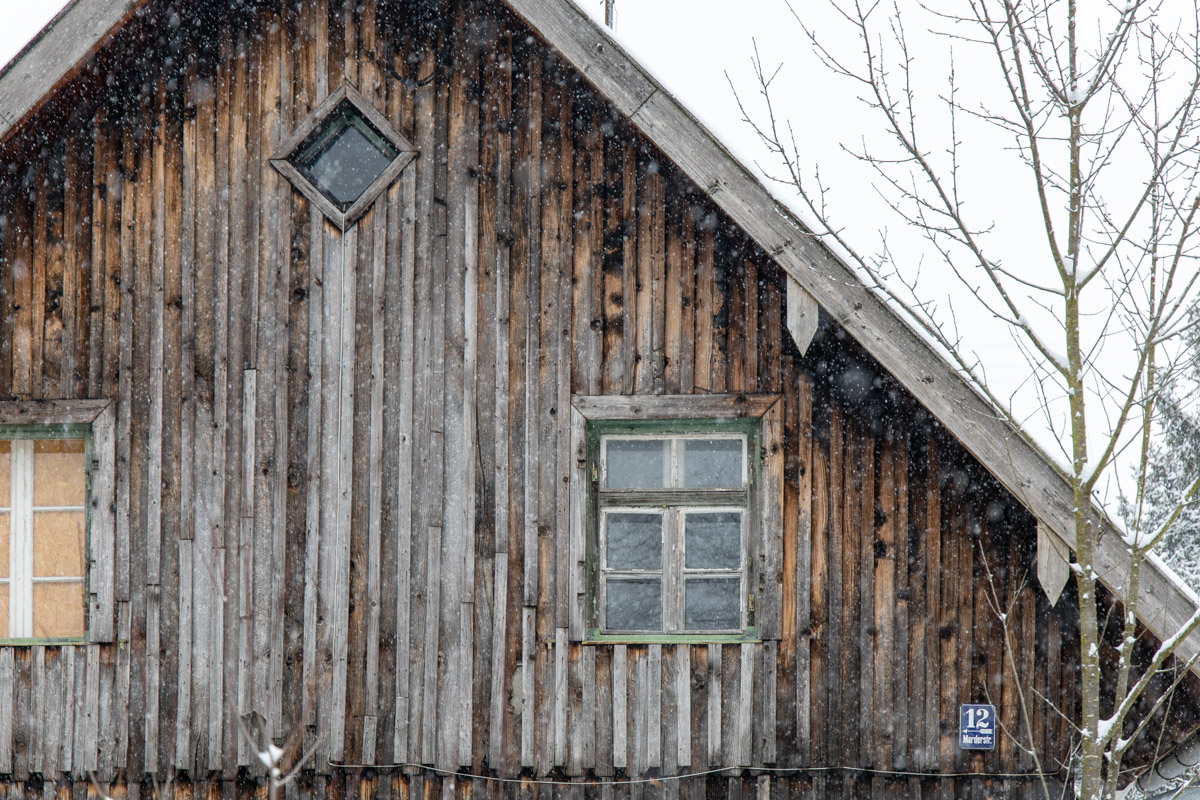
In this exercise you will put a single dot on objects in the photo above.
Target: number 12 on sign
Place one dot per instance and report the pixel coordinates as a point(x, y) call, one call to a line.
point(976, 727)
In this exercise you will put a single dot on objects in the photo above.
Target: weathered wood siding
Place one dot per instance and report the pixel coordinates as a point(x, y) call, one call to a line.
point(343, 458)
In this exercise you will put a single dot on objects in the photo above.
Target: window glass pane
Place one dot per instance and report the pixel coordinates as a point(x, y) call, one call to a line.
point(57, 609)
point(3, 611)
point(712, 463)
point(635, 463)
point(633, 604)
point(712, 604)
point(713, 540)
point(4, 525)
point(57, 544)
point(5, 472)
point(634, 540)
point(58, 472)
point(346, 158)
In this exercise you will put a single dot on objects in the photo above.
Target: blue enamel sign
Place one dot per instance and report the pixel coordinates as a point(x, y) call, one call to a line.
point(976, 727)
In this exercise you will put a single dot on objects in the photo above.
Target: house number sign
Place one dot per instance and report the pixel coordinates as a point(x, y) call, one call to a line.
point(976, 726)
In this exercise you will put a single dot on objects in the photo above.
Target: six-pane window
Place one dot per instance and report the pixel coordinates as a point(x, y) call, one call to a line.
point(43, 520)
point(673, 512)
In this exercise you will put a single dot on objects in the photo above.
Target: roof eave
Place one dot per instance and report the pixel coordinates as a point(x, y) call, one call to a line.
point(54, 55)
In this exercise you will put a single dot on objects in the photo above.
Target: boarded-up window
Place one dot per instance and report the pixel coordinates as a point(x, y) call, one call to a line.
point(43, 534)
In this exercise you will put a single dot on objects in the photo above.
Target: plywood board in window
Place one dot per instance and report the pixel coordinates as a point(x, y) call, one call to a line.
point(4, 610)
point(57, 544)
point(58, 472)
point(57, 610)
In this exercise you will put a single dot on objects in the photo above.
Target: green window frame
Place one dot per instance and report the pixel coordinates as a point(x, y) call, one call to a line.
point(95, 422)
point(18, 512)
point(657, 520)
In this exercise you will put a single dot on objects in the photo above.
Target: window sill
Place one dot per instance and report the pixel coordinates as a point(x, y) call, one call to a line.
point(58, 642)
point(748, 636)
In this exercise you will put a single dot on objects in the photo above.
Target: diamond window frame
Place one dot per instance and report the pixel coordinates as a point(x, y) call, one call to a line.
point(327, 110)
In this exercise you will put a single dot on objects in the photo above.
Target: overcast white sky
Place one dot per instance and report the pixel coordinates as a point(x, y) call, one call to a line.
point(691, 44)
point(22, 20)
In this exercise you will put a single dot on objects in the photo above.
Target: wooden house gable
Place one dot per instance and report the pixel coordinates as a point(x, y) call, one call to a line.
point(355, 485)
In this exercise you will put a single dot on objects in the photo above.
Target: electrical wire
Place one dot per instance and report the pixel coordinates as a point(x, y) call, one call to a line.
point(704, 773)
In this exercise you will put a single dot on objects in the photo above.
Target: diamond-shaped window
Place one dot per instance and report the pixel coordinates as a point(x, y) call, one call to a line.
point(343, 156)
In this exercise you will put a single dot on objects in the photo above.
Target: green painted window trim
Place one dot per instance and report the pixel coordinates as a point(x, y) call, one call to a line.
point(73, 430)
point(751, 428)
point(748, 636)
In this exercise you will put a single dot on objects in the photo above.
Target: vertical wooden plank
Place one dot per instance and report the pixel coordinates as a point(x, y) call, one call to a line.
point(461, 380)
point(314, 532)
point(648, 281)
point(72, 267)
point(63, 761)
point(399, 400)
point(834, 697)
point(222, 741)
point(771, 491)
point(376, 487)
point(432, 614)
point(620, 713)
point(705, 280)
point(669, 717)
point(933, 550)
point(903, 701)
point(246, 605)
point(499, 646)
point(672, 342)
point(88, 732)
point(699, 692)
point(549, 609)
point(865, 507)
point(615, 238)
point(37, 283)
point(96, 316)
point(683, 706)
point(805, 562)
point(495, 167)
point(528, 646)
point(743, 736)
point(587, 254)
point(183, 700)
point(422, 289)
point(654, 722)
point(338, 446)
point(604, 712)
point(629, 267)
point(6, 709)
point(560, 697)
point(885, 601)
point(715, 671)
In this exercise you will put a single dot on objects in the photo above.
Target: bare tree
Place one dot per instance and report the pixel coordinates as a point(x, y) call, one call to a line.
point(1085, 103)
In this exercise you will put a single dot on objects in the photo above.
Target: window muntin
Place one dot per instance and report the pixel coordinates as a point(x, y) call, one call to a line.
point(673, 514)
point(43, 533)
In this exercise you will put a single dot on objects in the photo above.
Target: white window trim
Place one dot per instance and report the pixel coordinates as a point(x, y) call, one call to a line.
point(763, 541)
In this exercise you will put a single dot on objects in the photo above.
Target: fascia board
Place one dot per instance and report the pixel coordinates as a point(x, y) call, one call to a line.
point(63, 46)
